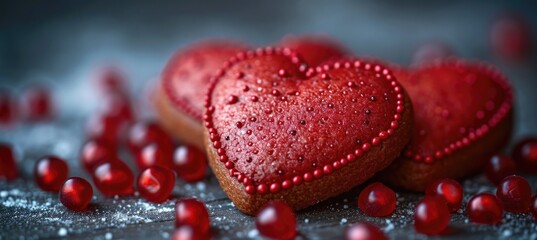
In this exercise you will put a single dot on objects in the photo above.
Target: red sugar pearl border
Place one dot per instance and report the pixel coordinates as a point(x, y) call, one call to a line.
point(495, 75)
point(263, 188)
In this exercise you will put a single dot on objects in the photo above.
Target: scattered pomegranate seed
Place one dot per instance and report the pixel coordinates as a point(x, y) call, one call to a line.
point(6, 108)
point(96, 152)
point(498, 167)
point(144, 133)
point(154, 154)
point(113, 178)
point(431, 51)
point(449, 189)
point(105, 128)
point(36, 103)
point(193, 213)
point(276, 220)
point(364, 231)
point(484, 208)
point(515, 194)
point(534, 207)
point(155, 184)
point(511, 37)
point(110, 80)
point(525, 155)
point(189, 163)
point(377, 200)
point(119, 107)
point(186, 232)
point(431, 216)
point(76, 194)
point(50, 173)
point(8, 166)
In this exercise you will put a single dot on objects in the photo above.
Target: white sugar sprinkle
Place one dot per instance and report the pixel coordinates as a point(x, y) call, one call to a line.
point(62, 232)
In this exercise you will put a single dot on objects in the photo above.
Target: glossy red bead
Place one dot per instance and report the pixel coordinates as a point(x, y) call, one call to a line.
point(193, 213)
point(484, 208)
point(498, 167)
point(7, 110)
point(155, 184)
point(449, 189)
point(377, 200)
point(36, 103)
point(514, 192)
point(431, 216)
point(525, 155)
point(106, 128)
point(8, 165)
point(96, 152)
point(50, 173)
point(76, 194)
point(119, 107)
point(113, 178)
point(154, 154)
point(110, 80)
point(276, 220)
point(511, 37)
point(364, 231)
point(534, 207)
point(143, 133)
point(186, 232)
point(189, 163)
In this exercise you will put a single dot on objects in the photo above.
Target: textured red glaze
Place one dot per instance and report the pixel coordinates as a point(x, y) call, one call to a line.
point(498, 167)
point(431, 215)
point(314, 49)
point(515, 194)
point(525, 154)
point(303, 121)
point(484, 208)
point(186, 76)
point(449, 189)
point(50, 173)
point(377, 200)
point(193, 213)
point(96, 152)
point(76, 194)
point(276, 220)
point(364, 231)
point(113, 178)
point(483, 98)
point(8, 165)
point(155, 184)
point(36, 103)
point(189, 163)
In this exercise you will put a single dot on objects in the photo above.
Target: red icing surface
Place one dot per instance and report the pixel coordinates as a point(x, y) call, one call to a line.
point(315, 49)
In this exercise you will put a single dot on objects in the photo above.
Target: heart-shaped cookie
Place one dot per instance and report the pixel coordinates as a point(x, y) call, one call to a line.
point(314, 49)
point(463, 115)
point(276, 129)
point(178, 97)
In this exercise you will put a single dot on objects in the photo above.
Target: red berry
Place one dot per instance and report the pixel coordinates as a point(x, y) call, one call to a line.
point(113, 178)
point(154, 155)
point(364, 231)
point(276, 220)
point(534, 207)
point(8, 166)
point(105, 128)
point(96, 152)
point(525, 155)
point(484, 208)
point(6, 108)
point(110, 80)
point(515, 194)
point(193, 213)
point(119, 107)
point(36, 103)
point(76, 194)
point(189, 163)
point(186, 232)
point(449, 189)
point(431, 215)
point(143, 133)
point(511, 38)
point(498, 167)
point(50, 173)
point(377, 200)
point(431, 51)
point(155, 184)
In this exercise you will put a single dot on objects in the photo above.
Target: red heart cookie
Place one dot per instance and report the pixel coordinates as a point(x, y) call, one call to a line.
point(278, 130)
point(314, 49)
point(463, 115)
point(178, 99)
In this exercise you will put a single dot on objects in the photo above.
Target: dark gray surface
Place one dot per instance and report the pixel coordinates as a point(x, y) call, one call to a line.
point(62, 44)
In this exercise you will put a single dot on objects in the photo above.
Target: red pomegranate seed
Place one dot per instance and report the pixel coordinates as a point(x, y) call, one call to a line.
point(76, 194)
point(113, 178)
point(431, 216)
point(189, 163)
point(449, 189)
point(50, 173)
point(276, 220)
point(155, 184)
point(431, 51)
point(498, 167)
point(110, 80)
point(534, 207)
point(119, 107)
point(154, 154)
point(143, 133)
point(525, 155)
point(6, 108)
point(511, 37)
point(8, 166)
point(377, 200)
point(96, 152)
point(36, 103)
point(515, 194)
point(484, 208)
point(193, 213)
point(364, 231)
point(186, 232)
point(105, 128)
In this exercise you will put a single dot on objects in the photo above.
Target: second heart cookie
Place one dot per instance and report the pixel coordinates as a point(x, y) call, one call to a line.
point(278, 130)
